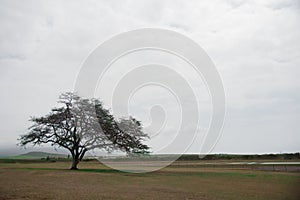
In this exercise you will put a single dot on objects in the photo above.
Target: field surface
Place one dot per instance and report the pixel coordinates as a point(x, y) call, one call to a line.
point(182, 180)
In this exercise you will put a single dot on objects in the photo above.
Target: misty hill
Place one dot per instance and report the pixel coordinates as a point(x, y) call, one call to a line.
point(38, 155)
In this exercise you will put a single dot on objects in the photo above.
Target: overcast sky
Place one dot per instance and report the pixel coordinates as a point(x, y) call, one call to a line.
point(255, 46)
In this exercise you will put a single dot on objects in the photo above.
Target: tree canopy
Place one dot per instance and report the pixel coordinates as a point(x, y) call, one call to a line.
point(81, 125)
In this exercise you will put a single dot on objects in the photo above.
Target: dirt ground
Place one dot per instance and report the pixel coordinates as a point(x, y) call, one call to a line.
point(94, 181)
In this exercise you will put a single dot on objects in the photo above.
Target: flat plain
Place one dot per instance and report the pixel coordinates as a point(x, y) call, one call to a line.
point(181, 180)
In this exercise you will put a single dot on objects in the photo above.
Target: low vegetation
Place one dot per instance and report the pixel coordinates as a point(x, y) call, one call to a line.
point(95, 181)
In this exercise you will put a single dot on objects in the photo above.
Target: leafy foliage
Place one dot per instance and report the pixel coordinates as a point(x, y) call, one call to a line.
point(81, 125)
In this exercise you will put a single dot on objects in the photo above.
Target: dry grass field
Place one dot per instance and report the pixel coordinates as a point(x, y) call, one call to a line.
point(179, 181)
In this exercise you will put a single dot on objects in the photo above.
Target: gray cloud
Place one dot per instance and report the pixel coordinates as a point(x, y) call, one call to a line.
point(254, 44)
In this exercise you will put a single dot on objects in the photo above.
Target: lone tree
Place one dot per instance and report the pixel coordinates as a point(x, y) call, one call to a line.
point(81, 125)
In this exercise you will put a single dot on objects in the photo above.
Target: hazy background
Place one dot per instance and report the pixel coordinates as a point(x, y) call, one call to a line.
point(255, 45)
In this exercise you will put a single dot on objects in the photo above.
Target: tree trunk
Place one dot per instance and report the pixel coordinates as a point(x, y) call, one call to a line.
point(77, 157)
point(75, 163)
